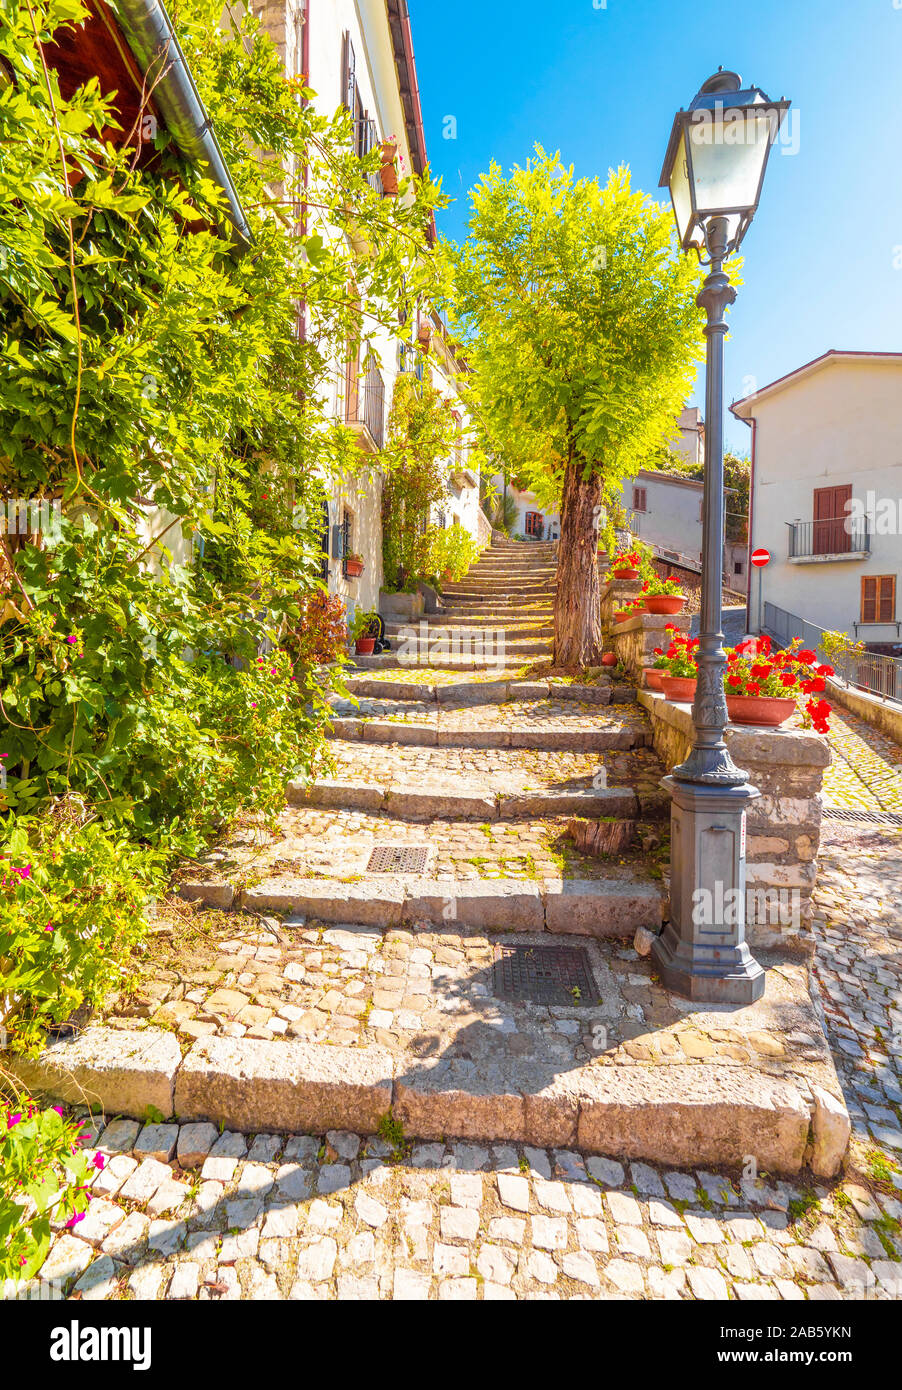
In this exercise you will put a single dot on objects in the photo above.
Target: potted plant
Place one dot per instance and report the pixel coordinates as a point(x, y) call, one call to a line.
point(609, 659)
point(389, 170)
point(632, 610)
point(764, 687)
point(663, 595)
point(353, 565)
point(653, 674)
point(679, 671)
point(364, 631)
point(625, 565)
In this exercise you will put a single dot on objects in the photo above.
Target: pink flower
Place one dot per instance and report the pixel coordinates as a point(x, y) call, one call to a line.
point(71, 639)
point(12, 1120)
point(74, 1220)
point(99, 1162)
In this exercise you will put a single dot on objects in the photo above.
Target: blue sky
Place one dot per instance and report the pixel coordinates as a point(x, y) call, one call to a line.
point(602, 85)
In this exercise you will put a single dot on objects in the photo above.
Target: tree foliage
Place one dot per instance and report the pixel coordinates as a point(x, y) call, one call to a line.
point(582, 331)
point(156, 387)
point(580, 320)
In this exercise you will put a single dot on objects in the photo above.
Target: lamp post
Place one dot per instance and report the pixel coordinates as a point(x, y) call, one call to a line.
point(714, 169)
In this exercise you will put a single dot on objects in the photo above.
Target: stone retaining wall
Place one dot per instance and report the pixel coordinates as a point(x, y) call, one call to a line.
point(787, 767)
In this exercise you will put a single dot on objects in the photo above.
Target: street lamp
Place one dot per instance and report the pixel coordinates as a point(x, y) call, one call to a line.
point(714, 169)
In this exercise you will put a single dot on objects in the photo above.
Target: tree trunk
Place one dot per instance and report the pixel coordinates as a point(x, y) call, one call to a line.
point(577, 625)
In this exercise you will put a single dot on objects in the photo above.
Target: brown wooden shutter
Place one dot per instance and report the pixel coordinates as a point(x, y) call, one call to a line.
point(886, 598)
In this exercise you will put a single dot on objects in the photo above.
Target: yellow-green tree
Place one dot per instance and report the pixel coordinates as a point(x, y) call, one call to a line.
point(581, 328)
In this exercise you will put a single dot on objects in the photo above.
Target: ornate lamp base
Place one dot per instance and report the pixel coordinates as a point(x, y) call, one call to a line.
point(702, 953)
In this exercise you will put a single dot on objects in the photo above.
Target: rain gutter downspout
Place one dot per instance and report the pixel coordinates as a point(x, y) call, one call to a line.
point(152, 39)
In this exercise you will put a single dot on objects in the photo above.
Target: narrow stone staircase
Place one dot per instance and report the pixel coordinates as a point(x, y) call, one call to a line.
point(467, 780)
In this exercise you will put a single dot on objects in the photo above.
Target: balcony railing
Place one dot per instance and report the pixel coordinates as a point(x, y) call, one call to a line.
point(365, 402)
point(812, 540)
point(870, 671)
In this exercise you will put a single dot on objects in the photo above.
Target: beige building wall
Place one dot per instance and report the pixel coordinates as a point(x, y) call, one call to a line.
point(835, 422)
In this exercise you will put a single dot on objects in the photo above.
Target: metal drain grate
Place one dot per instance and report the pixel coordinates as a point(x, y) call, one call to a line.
point(544, 975)
point(863, 817)
point(398, 859)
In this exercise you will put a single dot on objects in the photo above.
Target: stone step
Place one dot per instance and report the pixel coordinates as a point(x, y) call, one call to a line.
point(488, 692)
point(466, 643)
point(491, 610)
point(438, 624)
point(435, 798)
point(599, 908)
point(432, 735)
point(509, 662)
point(500, 588)
point(516, 619)
point(448, 1058)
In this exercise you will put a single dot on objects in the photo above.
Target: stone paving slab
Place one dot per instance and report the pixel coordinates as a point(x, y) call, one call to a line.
point(336, 844)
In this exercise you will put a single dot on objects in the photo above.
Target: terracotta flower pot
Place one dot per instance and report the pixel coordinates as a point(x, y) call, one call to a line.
point(768, 710)
point(679, 688)
point(609, 659)
point(364, 646)
point(652, 676)
point(626, 574)
point(354, 568)
point(665, 603)
point(623, 616)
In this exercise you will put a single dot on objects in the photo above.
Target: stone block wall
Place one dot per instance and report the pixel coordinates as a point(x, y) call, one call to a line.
point(784, 824)
point(635, 641)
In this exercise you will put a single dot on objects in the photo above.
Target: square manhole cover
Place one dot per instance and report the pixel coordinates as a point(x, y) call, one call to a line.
point(398, 859)
point(544, 975)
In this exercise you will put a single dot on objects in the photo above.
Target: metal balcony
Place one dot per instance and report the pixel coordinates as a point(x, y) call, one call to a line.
point(838, 538)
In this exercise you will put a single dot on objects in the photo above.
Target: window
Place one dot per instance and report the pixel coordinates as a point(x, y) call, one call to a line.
point(640, 499)
point(533, 524)
point(324, 542)
point(349, 97)
point(878, 598)
point(347, 535)
point(738, 567)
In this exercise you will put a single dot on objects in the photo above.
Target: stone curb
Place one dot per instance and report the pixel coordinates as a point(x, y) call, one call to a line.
point(790, 747)
point(119, 1071)
point(583, 907)
point(681, 1116)
point(434, 798)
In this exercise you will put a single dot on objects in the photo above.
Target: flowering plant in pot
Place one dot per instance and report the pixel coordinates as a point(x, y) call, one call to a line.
point(765, 687)
point(625, 566)
point(364, 631)
point(679, 671)
point(663, 595)
point(353, 564)
point(631, 610)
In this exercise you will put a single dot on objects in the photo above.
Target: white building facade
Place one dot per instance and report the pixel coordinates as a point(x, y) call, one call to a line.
point(358, 54)
point(826, 496)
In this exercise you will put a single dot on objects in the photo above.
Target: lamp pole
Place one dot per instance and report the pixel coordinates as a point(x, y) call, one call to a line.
point(702, 953)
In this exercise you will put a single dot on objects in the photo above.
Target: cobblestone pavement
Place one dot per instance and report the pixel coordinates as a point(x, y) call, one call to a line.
point(189, 1213)
point(431, 993)
point(337, 844)
point(866, 772)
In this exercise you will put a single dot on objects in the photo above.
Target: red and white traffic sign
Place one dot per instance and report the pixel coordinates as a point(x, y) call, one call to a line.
point(760, 558)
